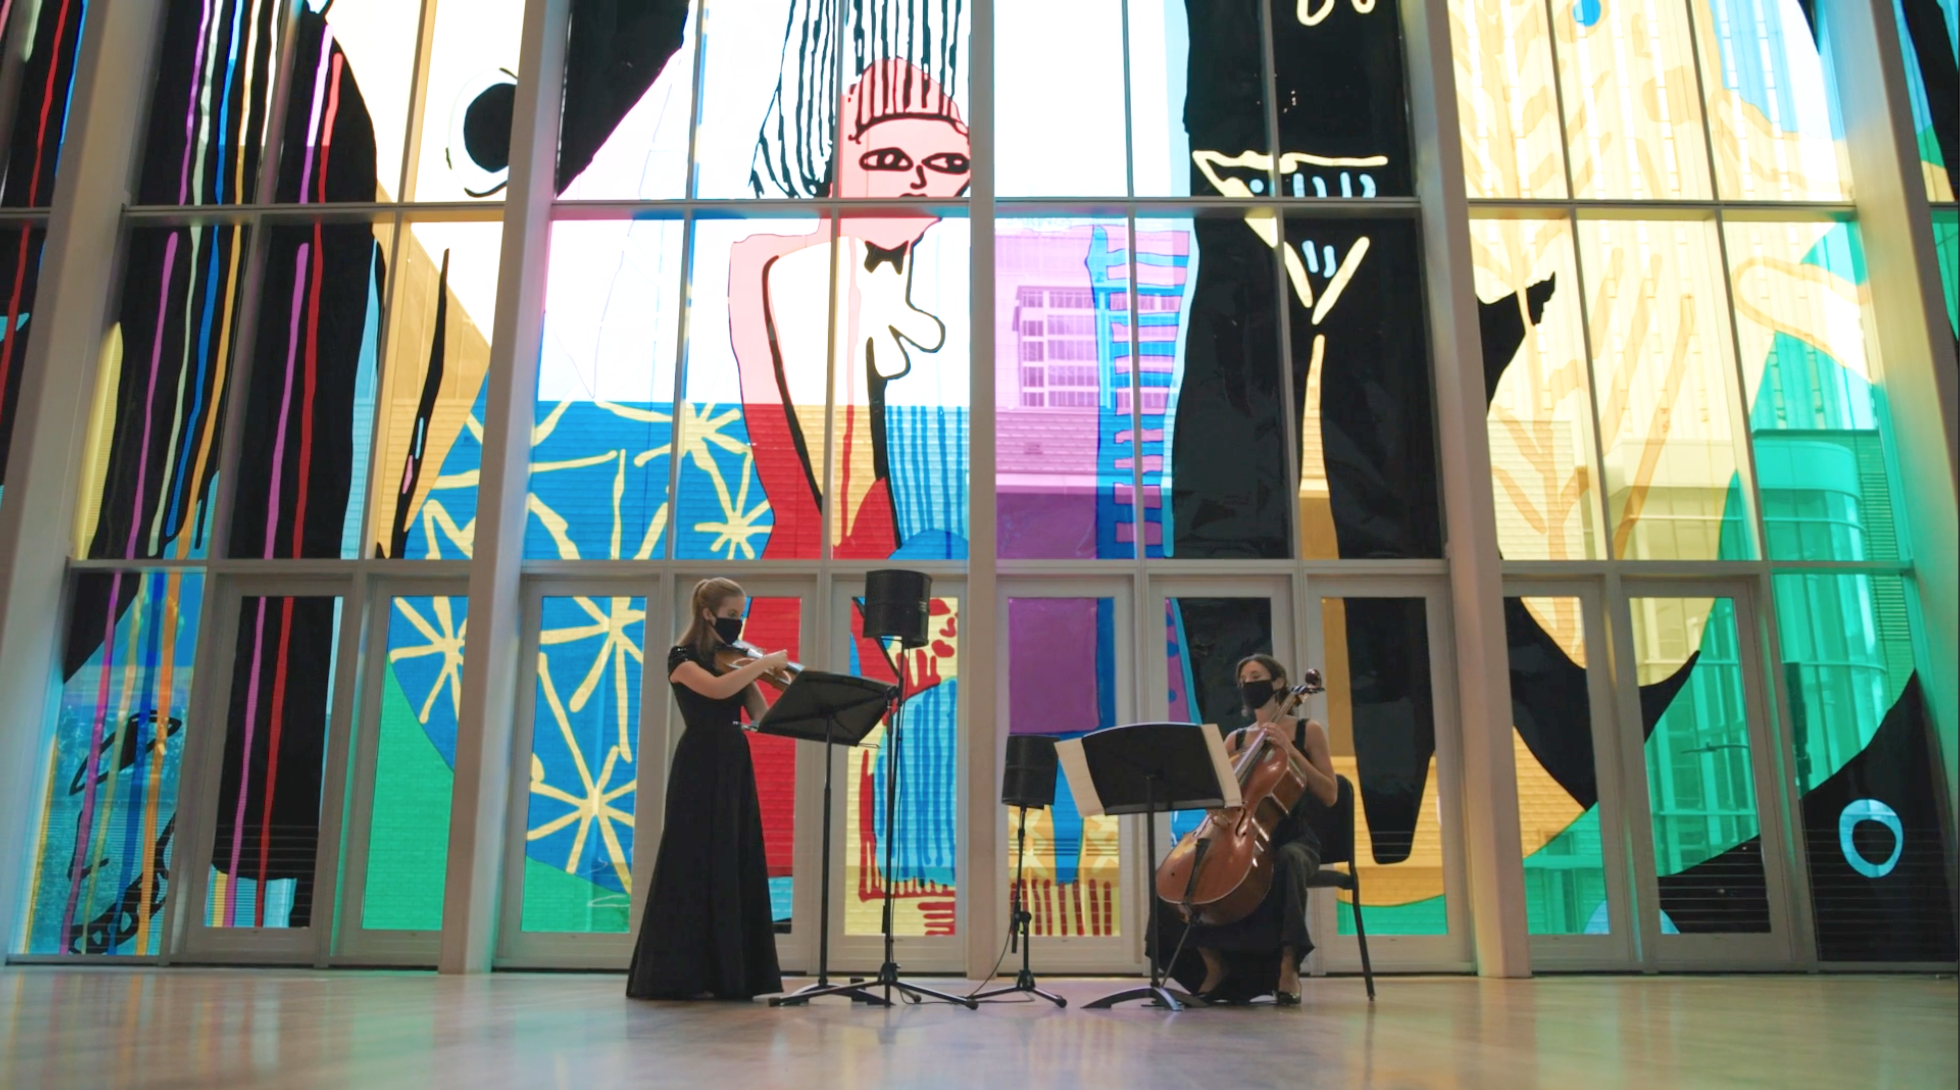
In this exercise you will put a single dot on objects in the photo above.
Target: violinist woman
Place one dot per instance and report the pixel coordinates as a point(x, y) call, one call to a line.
point(1262, 952)
point(708, 931)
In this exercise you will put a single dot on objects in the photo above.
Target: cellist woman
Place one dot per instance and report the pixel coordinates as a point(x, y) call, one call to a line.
point(1262, 952)
point(708, 931)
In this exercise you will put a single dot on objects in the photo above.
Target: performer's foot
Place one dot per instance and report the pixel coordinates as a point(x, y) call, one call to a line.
point(1214, 973)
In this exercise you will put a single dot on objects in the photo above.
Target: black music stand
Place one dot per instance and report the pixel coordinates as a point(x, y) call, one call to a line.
point(837, 710)
point(1149, 768)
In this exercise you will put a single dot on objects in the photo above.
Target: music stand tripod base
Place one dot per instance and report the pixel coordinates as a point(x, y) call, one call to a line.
point(1159, 996)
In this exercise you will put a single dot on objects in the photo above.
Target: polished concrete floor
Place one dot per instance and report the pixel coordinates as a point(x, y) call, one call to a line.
point(301, 1030)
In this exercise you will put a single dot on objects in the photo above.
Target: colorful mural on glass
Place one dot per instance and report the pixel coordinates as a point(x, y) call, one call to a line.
point(708, 384)
point(50, 38)
point(1071, 881)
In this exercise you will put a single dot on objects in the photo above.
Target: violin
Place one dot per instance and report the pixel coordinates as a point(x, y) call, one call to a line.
point(732, 655)
point(1223, 870)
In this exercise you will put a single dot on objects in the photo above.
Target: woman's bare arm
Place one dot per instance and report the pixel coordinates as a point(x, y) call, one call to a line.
point(752, 700)
point(1320, 765)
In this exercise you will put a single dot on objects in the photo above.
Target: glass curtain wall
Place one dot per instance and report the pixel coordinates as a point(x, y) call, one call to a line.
point(1674, 310)
point(289, 381)
point(1211, 358)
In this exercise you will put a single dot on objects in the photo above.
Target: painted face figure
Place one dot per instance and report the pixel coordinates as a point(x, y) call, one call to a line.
point(905, 142)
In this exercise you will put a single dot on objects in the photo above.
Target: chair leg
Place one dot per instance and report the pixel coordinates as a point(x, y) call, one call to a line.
point(1361, 935)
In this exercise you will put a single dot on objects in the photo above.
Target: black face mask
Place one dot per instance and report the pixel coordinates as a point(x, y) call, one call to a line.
point(1255, 693)
point(728, 628)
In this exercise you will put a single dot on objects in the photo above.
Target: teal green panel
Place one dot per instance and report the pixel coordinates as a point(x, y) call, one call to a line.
point(1565, 881)
point(1699, 782)
point(1735, 544)
point(1415, 918)
point(408, 843)
point(1820, 441)
point(1847, 651)
point(1946, 241)
point(556, 901)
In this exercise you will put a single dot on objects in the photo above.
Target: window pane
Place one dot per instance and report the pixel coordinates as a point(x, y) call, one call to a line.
point(925, 854)
point(775, 623)
point(217, 64)
point(629, 91)
point(1700, 789)
point(1381, 729)
point(899, 389)
point(1205, 640)
point(1540, 418)
point(900, 95)
point(1062, 381)
point(1633, 126)
point(1946, 243)
point(20, 275)
point(462, 138)
point(752, 433)
point(1368, 476)
point(1343, 118)
point(1223, 111)
point(1772, 112)
point(1927, 37)
point(1664, 368)
point(1058, 97)
point(309, 407)
point(153, 434)
point(1818, 425)
point(1061, 680)
point(602, 437)
point(352, 75)
point(40, 121)
point(267, 836)
point(1558, 815)
point(1847, 657)
point(430, 422)
point(1509, 106)
point(1866, 764)
point(1225, 433)
point(585, 737)
point(408, 832)
point(102, 866)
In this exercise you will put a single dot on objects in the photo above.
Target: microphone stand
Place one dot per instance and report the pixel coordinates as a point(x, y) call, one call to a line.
point(1018, 929)
point(888, 977)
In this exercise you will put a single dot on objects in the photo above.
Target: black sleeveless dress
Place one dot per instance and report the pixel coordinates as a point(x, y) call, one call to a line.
point(1250, 947)
point(708, 929)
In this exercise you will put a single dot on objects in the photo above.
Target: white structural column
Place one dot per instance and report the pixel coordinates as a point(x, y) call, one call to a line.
point(479, 808)
point(985, 739)
point(51, 425)
point(1490, 782)
point(1915, 343)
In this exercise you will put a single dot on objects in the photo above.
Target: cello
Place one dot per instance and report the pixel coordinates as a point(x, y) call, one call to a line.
point(1223, 870)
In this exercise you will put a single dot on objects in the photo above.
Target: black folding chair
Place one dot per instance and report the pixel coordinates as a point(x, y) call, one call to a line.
point(1336, 831)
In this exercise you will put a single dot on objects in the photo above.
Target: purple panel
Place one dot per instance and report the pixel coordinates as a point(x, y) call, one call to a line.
point(1047, 525)
point(1051, 657)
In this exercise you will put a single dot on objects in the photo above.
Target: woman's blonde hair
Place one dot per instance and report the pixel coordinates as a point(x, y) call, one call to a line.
point(709, 594)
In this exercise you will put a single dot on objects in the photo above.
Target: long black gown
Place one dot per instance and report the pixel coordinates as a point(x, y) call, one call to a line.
point(708, 929)
point(1250, 947)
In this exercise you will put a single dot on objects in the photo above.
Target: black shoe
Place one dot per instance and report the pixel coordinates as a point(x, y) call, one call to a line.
point(1286, 999)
